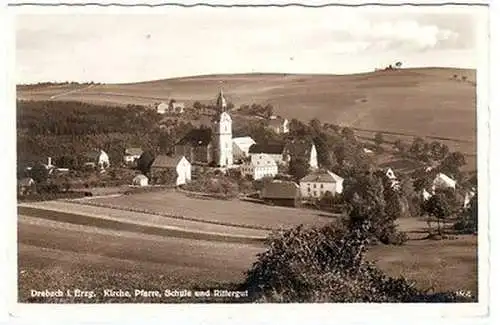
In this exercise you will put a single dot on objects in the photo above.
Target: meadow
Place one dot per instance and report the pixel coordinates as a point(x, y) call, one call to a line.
point(424, 102)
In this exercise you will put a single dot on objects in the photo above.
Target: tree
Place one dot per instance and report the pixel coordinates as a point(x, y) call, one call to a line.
point(398, 64)
point(298, 168)
point(145, 161)
point(39, 173)
point(325, 158)
point(438, 206)
point(379, 140)
point(452, 163)
point(400, 146)
point(348, 134)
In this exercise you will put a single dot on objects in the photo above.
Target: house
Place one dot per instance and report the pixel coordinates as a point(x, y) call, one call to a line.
point(176, 108)
point(284, 193)
point(140, 180)
point(173, 170)
point(279, 125)
point(367, 151)
point(26, 186)
point(317, 183)
point(132, 155)
point(162, 108)
point(260, 166)
point(276, 151)
point(97, 159)
point(426, 195)
point(302, 149)
point(212, 145)
point(442, 181)
point(241, 147)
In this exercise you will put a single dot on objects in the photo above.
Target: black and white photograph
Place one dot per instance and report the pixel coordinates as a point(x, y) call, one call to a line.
point(250, 155)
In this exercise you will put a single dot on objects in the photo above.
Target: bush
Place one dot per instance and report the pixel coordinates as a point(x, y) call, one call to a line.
point(327, 265)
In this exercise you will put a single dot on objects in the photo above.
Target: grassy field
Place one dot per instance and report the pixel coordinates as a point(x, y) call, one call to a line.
point(233, 212)
point(415, 101)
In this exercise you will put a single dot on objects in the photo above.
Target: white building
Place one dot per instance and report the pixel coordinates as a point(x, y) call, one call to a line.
point(316, 184)
point(260, 166)
point(140, 180)
point(222, 135)
point(98, 158)
point(162, 108)
point(277, 151)
point(241, 147)
point(442, 181)
point(131, 155)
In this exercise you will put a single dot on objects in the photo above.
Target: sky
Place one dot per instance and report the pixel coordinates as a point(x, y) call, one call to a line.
point(175, 42)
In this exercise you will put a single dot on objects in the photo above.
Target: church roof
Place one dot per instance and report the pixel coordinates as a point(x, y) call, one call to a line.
point(197, 137)
point(269, 148)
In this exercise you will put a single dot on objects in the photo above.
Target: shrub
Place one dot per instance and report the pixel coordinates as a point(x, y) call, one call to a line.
point(326, 265)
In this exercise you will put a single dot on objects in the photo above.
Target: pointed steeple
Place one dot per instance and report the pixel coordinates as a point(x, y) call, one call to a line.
point(221, 101)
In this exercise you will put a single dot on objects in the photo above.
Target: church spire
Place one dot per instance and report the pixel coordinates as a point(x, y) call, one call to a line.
point(221, 101)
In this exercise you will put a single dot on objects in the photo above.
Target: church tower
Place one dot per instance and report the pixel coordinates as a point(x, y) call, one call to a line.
point(222, 140)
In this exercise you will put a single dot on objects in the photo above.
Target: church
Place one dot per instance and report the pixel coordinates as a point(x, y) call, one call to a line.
point(213, 145)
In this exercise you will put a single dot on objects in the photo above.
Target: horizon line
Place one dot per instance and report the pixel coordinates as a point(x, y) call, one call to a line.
point(238, 74)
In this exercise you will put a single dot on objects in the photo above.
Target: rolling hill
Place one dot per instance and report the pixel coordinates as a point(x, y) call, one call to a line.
point(426, 101)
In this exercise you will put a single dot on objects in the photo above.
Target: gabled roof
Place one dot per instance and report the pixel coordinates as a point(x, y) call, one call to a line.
point(299, 148)
point(280, 190)
point(269, 148)
point(324, 176)
point(243, 141)
point(133, 151)
point(164, 161)
point(197, 137)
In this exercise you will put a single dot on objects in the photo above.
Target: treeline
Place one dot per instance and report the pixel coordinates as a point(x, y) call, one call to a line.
point(51, 84)
point(67, 131)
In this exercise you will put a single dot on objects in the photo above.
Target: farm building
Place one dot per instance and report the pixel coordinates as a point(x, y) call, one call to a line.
point(26, 186)
point(241, 147)
point(279, 125)
point(97, 158)
point(260, 166)
point(140, 180)
point(284, 193)
point(131, 155)
point(171, 170)
point(317, 183)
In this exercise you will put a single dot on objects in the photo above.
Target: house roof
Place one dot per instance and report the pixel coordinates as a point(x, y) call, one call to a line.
point(280, 190)
point(164, 161)
point(197, 137)
point(93, 154)
point(325, 176)
point(299, 148)
point(243, 141)
point(269, 148)
point(133, 151)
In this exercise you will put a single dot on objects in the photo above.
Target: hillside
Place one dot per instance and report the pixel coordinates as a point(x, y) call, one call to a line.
point(427, 101)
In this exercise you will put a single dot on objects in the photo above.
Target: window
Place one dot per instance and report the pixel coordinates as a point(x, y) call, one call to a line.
point(314, 185)
point(321, 186)
point(315, 193)
point(309, 189)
